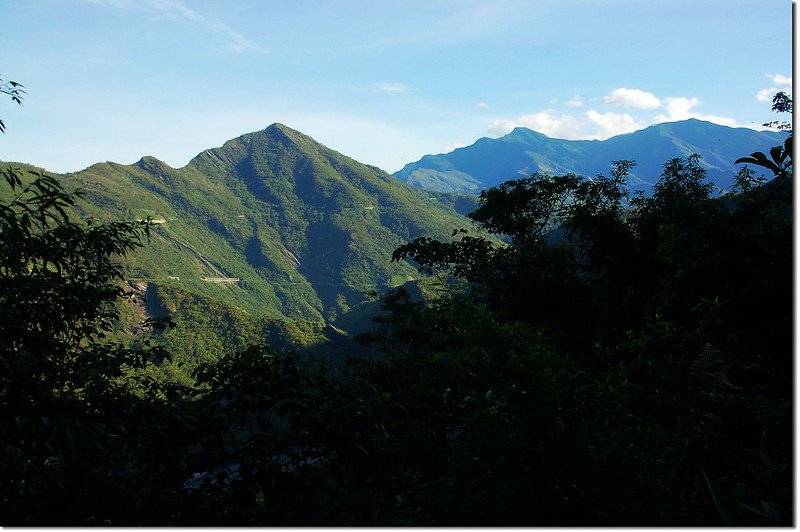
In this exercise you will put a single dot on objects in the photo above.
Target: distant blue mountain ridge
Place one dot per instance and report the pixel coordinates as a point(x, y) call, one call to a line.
point(489, 162)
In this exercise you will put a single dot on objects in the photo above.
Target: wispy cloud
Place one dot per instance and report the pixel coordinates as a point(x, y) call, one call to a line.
point(177, 9)
point(482, 105)
point(576, 101)
point(392, 88)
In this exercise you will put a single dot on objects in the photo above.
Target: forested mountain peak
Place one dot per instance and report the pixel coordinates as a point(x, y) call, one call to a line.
point(151, 164)
point(271, 222)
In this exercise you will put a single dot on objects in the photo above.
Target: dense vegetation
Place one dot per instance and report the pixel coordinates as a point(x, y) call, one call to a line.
point(616, 361)
point(271, 226)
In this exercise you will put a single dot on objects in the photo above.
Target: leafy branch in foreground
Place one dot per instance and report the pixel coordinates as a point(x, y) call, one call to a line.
point(67, 392)
point(779, 161)
point(13, 89)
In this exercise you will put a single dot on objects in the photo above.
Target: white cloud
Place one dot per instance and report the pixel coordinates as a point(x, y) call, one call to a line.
point(483, 105)
point(594, 124)
point(779, 79)
point(679, 108)
point(715, 119)
point(574, 102)
point(632, 98)
point(598, 125)
point(392, 88)
point(501, 127)
point(453, 146)
point(177, 9)
point(612, 124)
point(547, 122)
point(765, 95)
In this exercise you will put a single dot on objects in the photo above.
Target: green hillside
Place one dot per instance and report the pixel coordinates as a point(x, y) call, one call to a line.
point(270, 226)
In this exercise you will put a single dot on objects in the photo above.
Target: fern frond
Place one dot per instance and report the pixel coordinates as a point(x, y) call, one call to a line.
point(707, 374)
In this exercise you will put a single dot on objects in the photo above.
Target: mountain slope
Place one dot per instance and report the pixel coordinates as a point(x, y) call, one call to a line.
point(272, 223)
point(489, 162)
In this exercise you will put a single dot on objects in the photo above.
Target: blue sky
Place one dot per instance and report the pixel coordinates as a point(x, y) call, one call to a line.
point(384, 82)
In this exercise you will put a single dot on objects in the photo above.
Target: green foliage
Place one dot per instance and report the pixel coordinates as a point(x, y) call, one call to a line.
point(65, 388)
point(781, 103)
point(57, 287)
point(779, 161)
point(621, 295)
point(270, 226)
point(780, 158)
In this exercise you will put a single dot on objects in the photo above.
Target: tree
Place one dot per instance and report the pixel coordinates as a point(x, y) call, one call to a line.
point(781, 103)
point(567, 249)
point(671, 315)
point(71, 399)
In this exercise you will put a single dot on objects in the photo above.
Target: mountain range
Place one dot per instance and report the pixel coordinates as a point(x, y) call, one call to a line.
point(275, 238)
point(489, 162)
